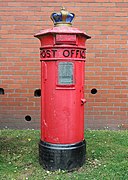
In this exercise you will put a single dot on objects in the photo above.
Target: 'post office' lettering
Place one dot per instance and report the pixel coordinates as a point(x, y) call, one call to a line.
point(62, 53)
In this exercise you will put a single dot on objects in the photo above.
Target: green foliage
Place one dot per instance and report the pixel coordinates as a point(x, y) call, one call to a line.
point(107, 157)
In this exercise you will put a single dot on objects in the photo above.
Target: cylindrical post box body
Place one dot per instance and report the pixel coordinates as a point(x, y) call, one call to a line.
point(62, 55)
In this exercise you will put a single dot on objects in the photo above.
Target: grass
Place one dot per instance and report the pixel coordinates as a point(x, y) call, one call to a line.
point(107, 157)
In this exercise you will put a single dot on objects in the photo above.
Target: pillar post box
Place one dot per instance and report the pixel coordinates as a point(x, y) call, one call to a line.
point(62, 56)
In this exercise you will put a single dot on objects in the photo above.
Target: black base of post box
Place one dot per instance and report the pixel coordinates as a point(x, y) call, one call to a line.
point(62, 156)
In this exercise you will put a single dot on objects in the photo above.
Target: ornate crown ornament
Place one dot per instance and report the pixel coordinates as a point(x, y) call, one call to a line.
point(63, 18)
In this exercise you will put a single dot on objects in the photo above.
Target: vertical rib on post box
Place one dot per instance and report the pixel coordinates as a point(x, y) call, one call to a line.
point(62, 55)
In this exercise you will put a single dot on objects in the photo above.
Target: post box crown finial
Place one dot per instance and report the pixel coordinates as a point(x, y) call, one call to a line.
point(63, 18)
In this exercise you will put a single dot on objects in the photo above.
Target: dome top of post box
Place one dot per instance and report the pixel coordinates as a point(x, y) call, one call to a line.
point(63, 18)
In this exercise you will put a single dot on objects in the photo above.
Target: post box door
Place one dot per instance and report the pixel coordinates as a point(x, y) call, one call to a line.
point(62, 108)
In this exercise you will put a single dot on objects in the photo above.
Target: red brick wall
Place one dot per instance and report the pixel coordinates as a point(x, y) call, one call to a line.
point(106, 67)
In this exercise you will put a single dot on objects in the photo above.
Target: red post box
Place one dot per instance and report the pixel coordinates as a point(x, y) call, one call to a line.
point(62, 55)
